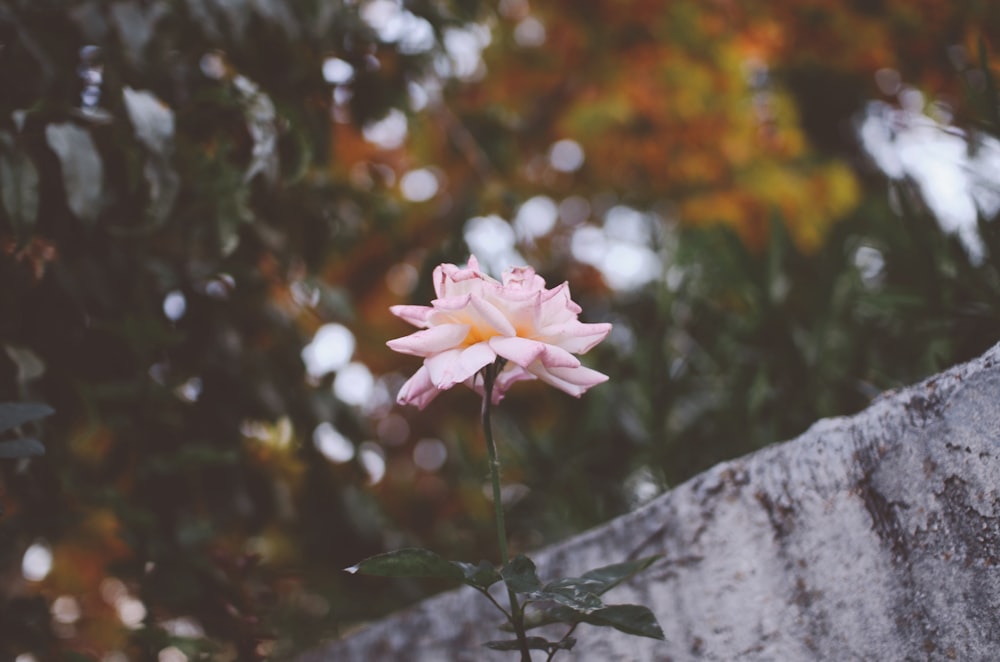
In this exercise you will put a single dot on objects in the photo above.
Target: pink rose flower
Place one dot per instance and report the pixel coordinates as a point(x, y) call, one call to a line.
point(475, 319)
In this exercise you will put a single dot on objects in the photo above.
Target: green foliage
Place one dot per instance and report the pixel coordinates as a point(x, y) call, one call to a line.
point(534, 643)
point(571, 600)
point(409, 562)
point(18, 186)
point(202, 163)
point(575, 600)
point(601, 580)
point(21, 448)
point(481, 576)
point(520, 575)
point(182, 149)
point(14, 414)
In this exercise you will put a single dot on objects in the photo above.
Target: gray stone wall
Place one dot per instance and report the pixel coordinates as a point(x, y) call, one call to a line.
point(870, 537)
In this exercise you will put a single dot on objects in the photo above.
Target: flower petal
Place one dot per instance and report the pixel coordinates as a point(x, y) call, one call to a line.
point(474, 319)
point(557, 306)
point(451, 303)
point(524, 352)
point(451, 280)
point(522, 309)
point(415, 315)
point(574, 336)
point(492, 316)
point(523, 278)
point(430, 341)
point(456, 365)
point(574, 381)
point(507, 378)
point(418, 389)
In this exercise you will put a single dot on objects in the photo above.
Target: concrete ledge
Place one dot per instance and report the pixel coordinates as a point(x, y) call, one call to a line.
point(870, 537)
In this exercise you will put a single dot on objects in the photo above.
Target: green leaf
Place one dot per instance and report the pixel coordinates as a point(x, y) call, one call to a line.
point(534, 643)
point(520, 575)
point(606, 578)
point(18, 187)
point(21, 448)
point(630, 619)
point(191, 458)
point(164, 185)
point(29, 365)
point(13, 414)
point(991, 110)
point(154, 124)
point(570, 593)
point(136, 23)
point(535, 617)
point(82, 169)
point(152, 121)
point(582, 594)
point(409, 562)
point(481, 576)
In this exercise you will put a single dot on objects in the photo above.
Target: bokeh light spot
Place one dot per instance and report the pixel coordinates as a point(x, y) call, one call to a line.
point(36, 564)
point(958, 184)
point(332, 444)
point(419, 185)
point(354, 384)
point(330, 350)
point(388, 132)
point(220, 287)
point(174, 305)
point(620, 250)
point(372, 458)
point(588, 245)
point(489, 234)
point(131, 611)
point(536, 218)
point(213, 65)
point(430, 454)
point(183, 627)
point(464, 47)
point(627, 224)
point(419, 96)
point(627, 266)
point(491, 239)
point(337, 71)
point(418, 34)
point(190, 390)
point(394, 24)
point(566, 156)
point(171, 654)
point(65, 609)
point(870, 264)
point(112, 590)
point(529, 33)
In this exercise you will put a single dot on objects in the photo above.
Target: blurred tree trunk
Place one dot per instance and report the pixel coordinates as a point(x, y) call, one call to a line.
point(873, 537)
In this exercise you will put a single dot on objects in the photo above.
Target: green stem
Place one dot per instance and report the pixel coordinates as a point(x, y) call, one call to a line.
point(516, 613)
point(552, 653)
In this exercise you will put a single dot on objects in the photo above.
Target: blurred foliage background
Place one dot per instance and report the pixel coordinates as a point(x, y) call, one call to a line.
point(784, 207)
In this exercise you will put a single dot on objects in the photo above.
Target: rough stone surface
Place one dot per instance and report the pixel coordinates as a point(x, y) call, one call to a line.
point(870, 537)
